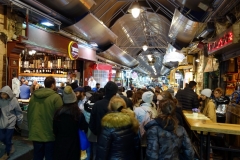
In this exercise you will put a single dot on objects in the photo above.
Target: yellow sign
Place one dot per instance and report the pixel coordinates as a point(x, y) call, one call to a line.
point(73, 50)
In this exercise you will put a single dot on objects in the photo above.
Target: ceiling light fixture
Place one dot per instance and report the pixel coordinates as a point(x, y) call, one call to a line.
point(47, 23)
point(145, 47)
point(197, 60)
point(135, 9)
point(93, 44)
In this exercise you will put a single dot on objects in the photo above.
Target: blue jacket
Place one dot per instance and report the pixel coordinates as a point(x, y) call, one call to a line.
point(163, 143)
point(10, 111)
point(24, 91)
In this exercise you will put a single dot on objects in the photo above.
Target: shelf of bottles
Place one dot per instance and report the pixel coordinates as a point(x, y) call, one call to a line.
point(38, 67)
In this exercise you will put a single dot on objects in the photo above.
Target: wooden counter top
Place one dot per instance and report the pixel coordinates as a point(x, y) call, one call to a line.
point(24, 100)
point(195, 121)
point(203, 123)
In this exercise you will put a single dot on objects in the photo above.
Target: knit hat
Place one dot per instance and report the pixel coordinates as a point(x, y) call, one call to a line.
point(147, 97)
point(111, 88)
point(79, 89)
point(68, 95)
point(206, 92)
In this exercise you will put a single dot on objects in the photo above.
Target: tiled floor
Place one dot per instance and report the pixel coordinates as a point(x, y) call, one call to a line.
point(23, 149)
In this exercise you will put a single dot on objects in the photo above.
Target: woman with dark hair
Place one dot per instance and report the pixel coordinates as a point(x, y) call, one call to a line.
point(67, 121)
point(165, 138)
point(179, 114)
point(137, 99)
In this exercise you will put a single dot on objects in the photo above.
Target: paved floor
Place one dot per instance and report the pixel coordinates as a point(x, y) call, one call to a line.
point(23, 148)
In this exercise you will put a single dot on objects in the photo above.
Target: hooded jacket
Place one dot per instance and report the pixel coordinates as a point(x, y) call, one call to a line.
point(164, 144)
point(10, 111)
point(141, 111)
point(116, 140)
point(42, 106)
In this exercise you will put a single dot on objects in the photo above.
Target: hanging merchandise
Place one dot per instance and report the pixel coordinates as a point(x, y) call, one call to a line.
point(212, 65)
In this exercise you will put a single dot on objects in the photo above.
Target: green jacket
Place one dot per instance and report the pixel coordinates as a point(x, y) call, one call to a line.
point(41, 109)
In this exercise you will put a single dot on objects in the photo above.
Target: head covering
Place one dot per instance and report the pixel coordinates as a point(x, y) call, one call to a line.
point(111, 88)
point(79, 89)
point(153, 89)
point(147, 97)
point(206, 92)
point(68, 95)
point(7, 90)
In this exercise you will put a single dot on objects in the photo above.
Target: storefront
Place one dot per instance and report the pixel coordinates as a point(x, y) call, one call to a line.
point(225, 49)
point(43, 53)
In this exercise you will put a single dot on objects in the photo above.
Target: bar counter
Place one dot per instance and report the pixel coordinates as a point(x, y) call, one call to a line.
point(202, 124)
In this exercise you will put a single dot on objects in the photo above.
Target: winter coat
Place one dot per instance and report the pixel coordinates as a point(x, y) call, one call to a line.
point(43, 104)
point(179, 115)
point(164, 144)
point(210, 110)
point(100, 108)
point(141, 111)
point(10, 111)
point(116, 140)
point(66, 129)
point(187, 98)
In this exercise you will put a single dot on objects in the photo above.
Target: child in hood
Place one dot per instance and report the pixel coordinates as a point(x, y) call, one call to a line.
point(10, 114)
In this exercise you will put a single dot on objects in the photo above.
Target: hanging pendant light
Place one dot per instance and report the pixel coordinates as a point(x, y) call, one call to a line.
point(135, 9)
point(145, 47)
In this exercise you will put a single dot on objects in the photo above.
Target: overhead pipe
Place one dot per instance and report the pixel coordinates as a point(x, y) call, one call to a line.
point(49, 11)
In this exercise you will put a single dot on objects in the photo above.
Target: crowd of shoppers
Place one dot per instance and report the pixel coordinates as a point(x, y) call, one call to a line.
point(110, 117)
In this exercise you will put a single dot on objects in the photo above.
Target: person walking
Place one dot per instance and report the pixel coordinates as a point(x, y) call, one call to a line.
point(10, 114)
point(67, 121)
point(41, 109)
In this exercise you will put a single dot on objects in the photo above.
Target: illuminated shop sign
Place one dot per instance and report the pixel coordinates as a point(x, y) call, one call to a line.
point(73, 50)
point(221, 42)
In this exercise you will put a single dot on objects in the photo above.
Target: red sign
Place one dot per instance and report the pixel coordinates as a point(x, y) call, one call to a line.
point(222, 42)
point(73, 50)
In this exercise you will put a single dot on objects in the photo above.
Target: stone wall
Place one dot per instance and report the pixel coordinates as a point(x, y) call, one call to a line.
point(199, 71)
point(10, 28)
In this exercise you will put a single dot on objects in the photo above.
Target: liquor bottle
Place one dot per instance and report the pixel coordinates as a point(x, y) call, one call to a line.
point(43, 70)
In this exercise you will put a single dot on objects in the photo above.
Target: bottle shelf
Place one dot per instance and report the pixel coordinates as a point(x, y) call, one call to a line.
point(42, 75)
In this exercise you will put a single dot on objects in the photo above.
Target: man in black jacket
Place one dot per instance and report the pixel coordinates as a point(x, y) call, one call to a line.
point(100, 108)
point(187, 98)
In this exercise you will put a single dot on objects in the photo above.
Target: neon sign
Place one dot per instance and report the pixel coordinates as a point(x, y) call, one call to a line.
point(222, 42)
point(73, 50)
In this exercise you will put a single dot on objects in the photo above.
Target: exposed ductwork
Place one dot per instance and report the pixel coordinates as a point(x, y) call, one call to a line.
point(69, 8)
point(92, 29)
point(115, 54)
point(164, 70)
point(46, 10)
point(182, 30)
